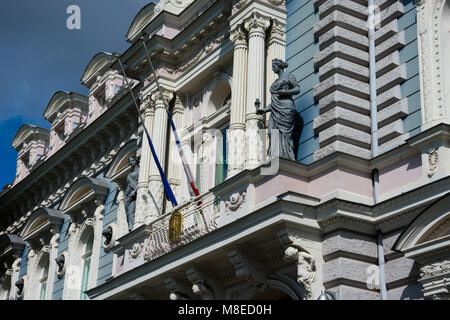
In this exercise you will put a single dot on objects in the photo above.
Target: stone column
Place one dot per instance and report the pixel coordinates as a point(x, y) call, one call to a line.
point(276, 49)
point(175, 164)
point(159, 138)
point(256, 26)
point(236, 133)
point(142, 199)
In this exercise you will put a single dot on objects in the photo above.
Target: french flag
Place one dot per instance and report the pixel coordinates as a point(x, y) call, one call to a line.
point(167, 189)
point(193, 190)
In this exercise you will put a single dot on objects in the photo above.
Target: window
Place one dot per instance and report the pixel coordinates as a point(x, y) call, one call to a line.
point(86, 266)
point(43, 276)
point(221, 156)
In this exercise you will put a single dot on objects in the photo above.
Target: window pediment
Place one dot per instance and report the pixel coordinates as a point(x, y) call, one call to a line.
point(40, 227)
point(82, 198)
point(11, 248)
point(99, 62)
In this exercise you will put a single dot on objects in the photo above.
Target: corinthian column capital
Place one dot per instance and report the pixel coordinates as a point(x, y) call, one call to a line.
point(147, 104)
point(278, 31)
point(238, 36)
point(256, 23)
point(178, 107)
point(157, 97)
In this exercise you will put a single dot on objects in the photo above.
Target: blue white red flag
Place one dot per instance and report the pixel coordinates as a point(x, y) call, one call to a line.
point(192, 187)
point(167, 189)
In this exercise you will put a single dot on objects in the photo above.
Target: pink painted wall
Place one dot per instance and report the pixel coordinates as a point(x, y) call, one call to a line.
point(333, 179)
point(401, 173)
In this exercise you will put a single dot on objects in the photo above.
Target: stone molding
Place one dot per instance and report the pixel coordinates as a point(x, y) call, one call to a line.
point(429, 15)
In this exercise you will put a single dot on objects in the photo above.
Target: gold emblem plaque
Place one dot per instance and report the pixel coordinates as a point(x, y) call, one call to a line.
point(175, 226)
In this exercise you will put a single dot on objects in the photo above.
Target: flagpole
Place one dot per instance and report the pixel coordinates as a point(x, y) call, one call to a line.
point(177, 140)
point(183, 159)
point(168, 191)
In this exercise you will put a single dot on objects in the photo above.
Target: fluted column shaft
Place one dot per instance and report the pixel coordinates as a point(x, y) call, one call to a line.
point(159, 138)
point(256, 26)
point(174, 164)
point(276, 49)
point(236, 134)
point(144, 165)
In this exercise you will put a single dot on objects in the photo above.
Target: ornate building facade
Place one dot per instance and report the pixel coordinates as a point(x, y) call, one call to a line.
point(363, 212)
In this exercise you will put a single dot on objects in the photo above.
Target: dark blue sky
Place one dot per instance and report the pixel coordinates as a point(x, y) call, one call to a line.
point(39, 55)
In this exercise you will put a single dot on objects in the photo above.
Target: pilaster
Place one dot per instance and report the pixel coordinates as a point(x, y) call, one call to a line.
point(236, 135)
point(256, 25)
point(175, 165)
point(159, 139)
point(142, 198)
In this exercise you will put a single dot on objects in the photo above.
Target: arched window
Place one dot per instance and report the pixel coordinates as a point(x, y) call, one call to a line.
point(87, 257)
point(42, 271)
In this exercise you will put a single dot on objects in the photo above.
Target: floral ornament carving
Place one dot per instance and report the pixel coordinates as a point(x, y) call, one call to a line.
point(135, 251)
point(235, 202)
point(433, 161)
point(435, 269)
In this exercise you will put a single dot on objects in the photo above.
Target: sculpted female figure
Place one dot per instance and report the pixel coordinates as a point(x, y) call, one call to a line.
point(283, 113)
point(131, 191)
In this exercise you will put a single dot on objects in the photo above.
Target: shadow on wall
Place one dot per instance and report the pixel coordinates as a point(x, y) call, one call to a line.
point(299, 123)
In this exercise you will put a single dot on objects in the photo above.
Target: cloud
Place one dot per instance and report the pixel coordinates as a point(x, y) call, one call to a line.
point(39, 56)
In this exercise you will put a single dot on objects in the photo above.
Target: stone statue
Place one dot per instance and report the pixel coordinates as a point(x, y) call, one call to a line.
point(131, 191)
point(60, 262)
point(20, 284)
point(306, 267)
point(284, 116)
point(108, 233)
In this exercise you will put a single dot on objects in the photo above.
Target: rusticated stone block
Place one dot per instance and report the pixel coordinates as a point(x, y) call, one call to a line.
point(393, 112)
point(344, 67)
point(345, 36)
point(347, 6)
point(343, 51)
point(338, 82)
point(346, 117)
point(389, 30)
point(390, 45)
point(344, 147)
point(342, 269)
point(391, 144)
point(344, 133)
point(389, 241)
point(383, 4)
point(351, 293)
point(391, 13)
point(400, 269)
point(344, 100)
point(389, 97)
point(387, 64)
point(337, 18)
point(391, 79)
point(343, 241)
point(390, 131)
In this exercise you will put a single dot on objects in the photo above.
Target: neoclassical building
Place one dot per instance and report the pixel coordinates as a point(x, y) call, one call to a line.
point(362, 213)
